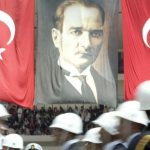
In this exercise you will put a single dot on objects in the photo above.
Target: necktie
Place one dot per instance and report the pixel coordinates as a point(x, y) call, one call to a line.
point(86, 90)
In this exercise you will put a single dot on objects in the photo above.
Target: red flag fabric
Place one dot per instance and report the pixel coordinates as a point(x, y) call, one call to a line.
point(17, 51)
point(136, 44)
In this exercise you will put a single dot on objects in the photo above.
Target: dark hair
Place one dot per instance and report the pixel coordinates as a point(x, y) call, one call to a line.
point(59, 13)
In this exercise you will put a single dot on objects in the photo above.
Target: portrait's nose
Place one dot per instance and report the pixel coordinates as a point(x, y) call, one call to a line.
point(85, 40)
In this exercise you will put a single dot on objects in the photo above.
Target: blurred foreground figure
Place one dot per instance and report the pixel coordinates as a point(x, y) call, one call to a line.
point(132, 123)
point(65, 128)
point(109, 133)
point(33, 146)
point(142, 94)
point(12, 142)
point(92, 139)
point(3, 127)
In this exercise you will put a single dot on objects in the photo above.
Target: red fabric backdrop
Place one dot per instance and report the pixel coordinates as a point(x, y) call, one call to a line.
point(135, 14)
point(17, 58)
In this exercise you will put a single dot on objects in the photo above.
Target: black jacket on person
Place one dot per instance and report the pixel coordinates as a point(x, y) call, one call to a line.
point(119, 147)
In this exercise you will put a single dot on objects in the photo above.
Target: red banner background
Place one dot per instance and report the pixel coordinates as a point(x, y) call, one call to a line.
point(17, 63)
point(136, 54)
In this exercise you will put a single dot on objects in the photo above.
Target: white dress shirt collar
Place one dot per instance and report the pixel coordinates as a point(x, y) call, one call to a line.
point(73, 71)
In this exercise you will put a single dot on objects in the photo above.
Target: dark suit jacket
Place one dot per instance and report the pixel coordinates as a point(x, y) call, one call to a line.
point(119, 147)
point(141, 140)
point(65, 92)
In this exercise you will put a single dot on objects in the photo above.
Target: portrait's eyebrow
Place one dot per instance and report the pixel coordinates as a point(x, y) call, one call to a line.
point(96, 30)
point(77, 28)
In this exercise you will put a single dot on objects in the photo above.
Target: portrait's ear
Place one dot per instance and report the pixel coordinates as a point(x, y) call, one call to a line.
point(56, 36)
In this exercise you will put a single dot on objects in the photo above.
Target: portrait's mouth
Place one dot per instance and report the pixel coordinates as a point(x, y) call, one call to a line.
point(86, 54)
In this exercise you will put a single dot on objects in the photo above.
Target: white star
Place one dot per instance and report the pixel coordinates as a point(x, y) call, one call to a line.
point(1, 50)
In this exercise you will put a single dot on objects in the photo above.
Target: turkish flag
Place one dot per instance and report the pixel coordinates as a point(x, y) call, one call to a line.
point(17, 51)
point(136, 44)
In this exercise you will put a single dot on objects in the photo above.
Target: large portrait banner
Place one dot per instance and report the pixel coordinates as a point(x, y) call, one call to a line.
point(76, 52)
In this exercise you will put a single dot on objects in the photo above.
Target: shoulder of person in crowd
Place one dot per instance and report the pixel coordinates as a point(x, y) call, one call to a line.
point(144, 141)
point(120, 146)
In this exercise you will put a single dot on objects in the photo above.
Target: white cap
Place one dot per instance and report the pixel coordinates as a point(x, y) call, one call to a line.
point(3, 112)
point(36, 146)
point(70, 122)
point(109, 122)
point(131, 105)
point(92, 135)
point(142, 94)
point(13, 141)
point(130, 110)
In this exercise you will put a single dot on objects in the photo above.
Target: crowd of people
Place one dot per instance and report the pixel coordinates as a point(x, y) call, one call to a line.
point(125, 128)
point(36, 122)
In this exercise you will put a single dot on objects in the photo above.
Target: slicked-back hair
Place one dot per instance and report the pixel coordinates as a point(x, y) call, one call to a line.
point(59, 13)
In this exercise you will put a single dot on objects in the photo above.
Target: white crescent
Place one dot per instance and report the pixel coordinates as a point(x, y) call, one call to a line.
point(4, 17)
point(146, 29)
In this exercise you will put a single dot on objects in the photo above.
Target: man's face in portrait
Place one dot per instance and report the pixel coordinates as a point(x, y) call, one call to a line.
point(80, 40)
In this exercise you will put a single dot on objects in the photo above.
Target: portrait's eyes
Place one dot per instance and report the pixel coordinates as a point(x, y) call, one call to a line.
point(96, 33)
point(76, 32)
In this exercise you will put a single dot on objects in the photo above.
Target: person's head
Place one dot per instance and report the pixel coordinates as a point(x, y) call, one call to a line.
point(109, 124)
point(3, 118)
point(78, 32)
point(33, 146)
point(132, 119)
point(142, 94)
point(66, 126)
point(4, 113)
point(4, 129)
point(12, 142)
point(129, 127)
point(92, 139)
